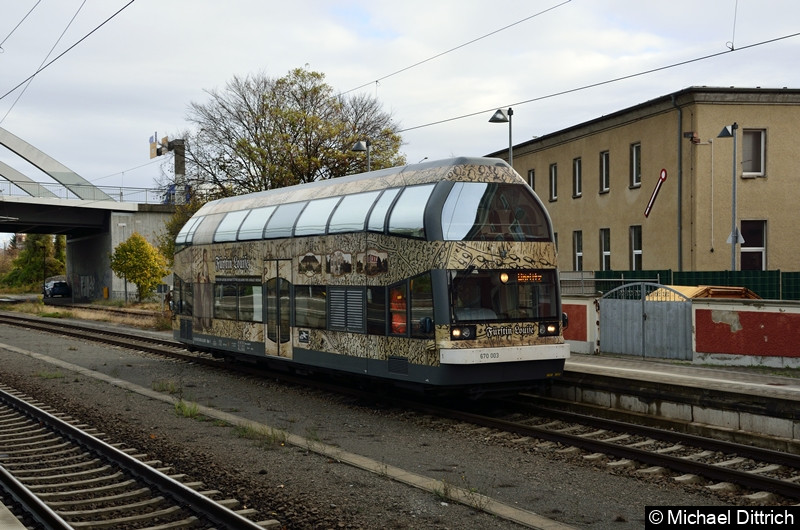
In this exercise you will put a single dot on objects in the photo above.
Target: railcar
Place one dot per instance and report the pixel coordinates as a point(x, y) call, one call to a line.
point(440, 274)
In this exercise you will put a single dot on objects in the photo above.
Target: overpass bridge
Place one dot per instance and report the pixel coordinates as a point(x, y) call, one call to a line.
point(94, 219)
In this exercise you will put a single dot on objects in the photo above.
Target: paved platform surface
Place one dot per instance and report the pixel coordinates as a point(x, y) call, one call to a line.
point(745, 380)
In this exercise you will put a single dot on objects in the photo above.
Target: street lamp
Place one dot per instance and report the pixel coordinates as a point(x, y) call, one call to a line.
point(729, 131)
point(362, 146)
point(502, 116)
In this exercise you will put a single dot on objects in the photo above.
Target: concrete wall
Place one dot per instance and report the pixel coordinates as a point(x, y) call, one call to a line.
point(747, 332)
point(89, 257)
point(582, 333)
point(724, 332)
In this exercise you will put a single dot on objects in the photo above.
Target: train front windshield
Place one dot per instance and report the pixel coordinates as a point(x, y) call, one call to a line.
point(479, 211)
point(503, 295)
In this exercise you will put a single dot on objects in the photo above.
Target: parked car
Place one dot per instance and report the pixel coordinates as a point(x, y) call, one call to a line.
point(57, 288)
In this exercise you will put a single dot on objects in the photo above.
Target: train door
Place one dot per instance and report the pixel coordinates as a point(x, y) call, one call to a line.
point(277, 320)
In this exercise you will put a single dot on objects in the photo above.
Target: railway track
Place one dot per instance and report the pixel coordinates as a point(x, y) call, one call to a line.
point(64, 477)
point(761, 475)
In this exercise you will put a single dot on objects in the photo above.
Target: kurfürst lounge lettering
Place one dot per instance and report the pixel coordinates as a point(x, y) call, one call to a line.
point(507, 331)
point(234, 263)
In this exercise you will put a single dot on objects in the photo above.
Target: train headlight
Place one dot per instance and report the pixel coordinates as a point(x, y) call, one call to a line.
point(462, 332)
point(548, 329)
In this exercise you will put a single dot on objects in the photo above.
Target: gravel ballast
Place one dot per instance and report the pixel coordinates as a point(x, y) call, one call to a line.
point(297, 486)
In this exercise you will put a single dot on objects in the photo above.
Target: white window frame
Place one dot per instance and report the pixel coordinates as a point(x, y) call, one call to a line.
point(577, 177)
point(636, 251)
point(636, 165)
point(577, 249)
point(762, 250)
point(553, 182)
point(532, 178)
point(605, 249)
point(762, 147)
point(605, 171)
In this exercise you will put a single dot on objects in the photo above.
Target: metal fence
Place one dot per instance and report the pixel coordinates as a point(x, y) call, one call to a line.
point(58, 191)
point(770, 285)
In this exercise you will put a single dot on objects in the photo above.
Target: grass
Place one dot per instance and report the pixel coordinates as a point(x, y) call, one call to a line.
point(50, 375)
point(168, 386)
point(268, 436)
point(187, 409)
point(156, 321)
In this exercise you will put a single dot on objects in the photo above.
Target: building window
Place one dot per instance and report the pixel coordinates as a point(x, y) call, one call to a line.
point(605, 172)
point(754, 152)
point(754, 248)
point(636, 165)
point(532, 178)
point(553, 182)
point(577, 182)
point(577, 250)
point(605, 249)
point(636, 248)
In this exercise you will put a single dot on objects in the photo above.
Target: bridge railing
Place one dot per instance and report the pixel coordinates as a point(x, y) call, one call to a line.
point(58, 191)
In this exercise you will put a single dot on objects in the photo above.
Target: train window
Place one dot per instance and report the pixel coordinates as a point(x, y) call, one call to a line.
point(187, 229)
point(310, 309)
point(487, 212)
point(181, 297)
point(351, 214)
point(225, 296)
point(250, 308)
point(398, 309)
point(314, 219)
point(377, 218)
point(421, 306)
point(346, 309)
point(253, 225)
point(229, 226)
point(407, 217)
point(282, 221)
point(376, 310)
point(462, 210)
point(504, 295)
point(204, 233)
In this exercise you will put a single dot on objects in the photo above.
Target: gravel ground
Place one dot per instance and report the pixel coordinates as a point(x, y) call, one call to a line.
point(304, 490)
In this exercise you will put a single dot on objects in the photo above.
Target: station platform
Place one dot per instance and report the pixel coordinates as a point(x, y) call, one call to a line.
point(8, 521)
point(752, 381)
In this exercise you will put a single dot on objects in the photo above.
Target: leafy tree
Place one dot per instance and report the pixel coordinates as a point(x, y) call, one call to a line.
point(140, 263)
point(261, 133)
point(34, 262)
point(60, 248)
point(166, 239)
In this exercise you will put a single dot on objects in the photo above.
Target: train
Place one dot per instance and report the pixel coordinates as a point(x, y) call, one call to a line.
point(438, 275)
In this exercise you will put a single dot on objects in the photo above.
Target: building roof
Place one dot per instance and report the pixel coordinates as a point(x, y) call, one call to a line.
point(693, 94)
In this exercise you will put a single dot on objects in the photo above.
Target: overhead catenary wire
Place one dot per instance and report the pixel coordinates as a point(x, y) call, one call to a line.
point(18, 24)
point(59, 56)
point(43, 61)
point(458, 47)
point(606, 82)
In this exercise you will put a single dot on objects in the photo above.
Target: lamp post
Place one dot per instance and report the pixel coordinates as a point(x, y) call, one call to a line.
point(502, 116)
point(361, 146)
point(729, 131)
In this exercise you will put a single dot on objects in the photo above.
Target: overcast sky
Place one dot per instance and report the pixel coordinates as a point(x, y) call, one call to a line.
point(95, 107)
